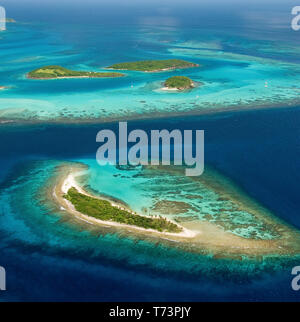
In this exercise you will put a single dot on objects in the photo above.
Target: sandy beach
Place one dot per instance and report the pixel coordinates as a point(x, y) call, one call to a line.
point(170, 89)
point(70, 181)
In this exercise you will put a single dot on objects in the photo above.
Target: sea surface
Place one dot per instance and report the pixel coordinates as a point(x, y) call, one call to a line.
point(249, 61)
point(49, 257)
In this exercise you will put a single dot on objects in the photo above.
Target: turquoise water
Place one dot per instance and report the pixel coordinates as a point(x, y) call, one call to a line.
point(180, 198)
point(234, 70)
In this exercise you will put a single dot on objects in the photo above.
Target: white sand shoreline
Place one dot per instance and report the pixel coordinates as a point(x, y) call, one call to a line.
point(70, 182)
point(170, 89)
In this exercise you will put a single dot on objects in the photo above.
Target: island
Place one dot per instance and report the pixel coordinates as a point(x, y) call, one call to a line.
point(105, 211)
point(58, 72)
point(178, 83)
point(9, 20)
point(154, 65)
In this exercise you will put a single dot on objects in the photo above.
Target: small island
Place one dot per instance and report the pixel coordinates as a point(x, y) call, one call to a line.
point(58, 72)
point(10, 20)
point(154, 65)
point(105, 211)
point(178, 83)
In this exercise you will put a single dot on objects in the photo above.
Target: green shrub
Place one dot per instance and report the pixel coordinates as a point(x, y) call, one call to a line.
point(58, 71)
point(103, 210)
point(180, 82)
point(154, 65)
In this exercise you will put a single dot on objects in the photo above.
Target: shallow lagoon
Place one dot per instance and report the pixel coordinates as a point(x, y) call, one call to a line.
point(237, 72)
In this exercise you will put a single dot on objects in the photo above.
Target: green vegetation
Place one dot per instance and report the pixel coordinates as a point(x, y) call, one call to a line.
point(103, 210)
point(154, 65)
point(179, 82)
point(49, 72)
